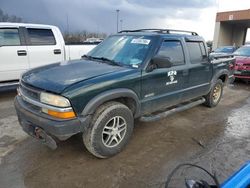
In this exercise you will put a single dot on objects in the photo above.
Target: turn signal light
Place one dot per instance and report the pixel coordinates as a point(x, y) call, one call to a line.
point(61, 115)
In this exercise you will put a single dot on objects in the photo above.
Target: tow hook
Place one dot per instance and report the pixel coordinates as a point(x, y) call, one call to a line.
point(45, 138)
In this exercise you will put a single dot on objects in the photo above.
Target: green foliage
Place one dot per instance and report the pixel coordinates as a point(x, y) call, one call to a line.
point(79, 37)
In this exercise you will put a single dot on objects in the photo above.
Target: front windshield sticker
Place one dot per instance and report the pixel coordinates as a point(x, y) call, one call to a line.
point(140, 41)
point(135, 66)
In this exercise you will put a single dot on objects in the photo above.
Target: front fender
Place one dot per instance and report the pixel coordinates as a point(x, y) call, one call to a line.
point(101, 98)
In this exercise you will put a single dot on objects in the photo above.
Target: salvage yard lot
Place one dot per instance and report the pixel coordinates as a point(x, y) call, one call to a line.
point(216, 138)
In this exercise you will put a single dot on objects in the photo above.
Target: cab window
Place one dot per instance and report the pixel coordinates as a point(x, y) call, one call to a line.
point(9, 37)
point(41, 36)
point(172, 50)
point(196, 51)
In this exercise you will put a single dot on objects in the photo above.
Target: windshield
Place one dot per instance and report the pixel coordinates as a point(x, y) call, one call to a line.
point(225, 49)
point(243, 51)
point(125, 50)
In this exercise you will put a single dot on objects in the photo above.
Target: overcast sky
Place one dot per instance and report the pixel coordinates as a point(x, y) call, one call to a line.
point(100, 16)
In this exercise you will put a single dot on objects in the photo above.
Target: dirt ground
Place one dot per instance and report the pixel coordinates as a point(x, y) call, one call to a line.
point(215, 138)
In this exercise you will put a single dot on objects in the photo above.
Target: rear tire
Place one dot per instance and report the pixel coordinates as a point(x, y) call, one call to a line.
point(214, 96)
point(110, 130)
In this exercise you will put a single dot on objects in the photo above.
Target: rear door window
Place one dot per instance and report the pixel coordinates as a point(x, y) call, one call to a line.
point(9, 37)
point(196, 51)
point(172, 50)
point(41, 36)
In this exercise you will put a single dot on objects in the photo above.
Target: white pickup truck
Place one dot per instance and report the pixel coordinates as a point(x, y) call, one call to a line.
point(25, 46)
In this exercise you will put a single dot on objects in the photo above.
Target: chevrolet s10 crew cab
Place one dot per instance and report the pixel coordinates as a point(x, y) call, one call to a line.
point(139, 74)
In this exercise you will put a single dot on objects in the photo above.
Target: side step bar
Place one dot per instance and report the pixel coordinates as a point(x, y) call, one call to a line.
point(161, 115)
point(8, 85)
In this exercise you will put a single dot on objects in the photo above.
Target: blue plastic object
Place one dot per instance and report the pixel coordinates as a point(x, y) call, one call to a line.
point(240, 179)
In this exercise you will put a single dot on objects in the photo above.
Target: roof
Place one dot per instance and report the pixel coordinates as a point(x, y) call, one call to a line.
point(9, 24)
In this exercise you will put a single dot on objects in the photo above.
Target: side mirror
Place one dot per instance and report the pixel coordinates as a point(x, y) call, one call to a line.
point(158, 62)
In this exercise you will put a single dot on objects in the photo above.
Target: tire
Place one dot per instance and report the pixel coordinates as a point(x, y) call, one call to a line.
point(214, 96)
point(111, 119)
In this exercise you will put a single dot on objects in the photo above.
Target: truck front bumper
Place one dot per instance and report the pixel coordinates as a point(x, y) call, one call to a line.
point(242, 74)
point(38, 124)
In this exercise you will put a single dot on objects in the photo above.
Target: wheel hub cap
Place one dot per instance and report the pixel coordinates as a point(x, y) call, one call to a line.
point(216, 93)
point(114, 131)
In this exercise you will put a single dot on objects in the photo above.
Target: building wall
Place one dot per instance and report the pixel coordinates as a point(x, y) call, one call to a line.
point(223, 35)
point(231, 28)
point(226, 34)
point(233, 15)
point(216, 35)
point(239, 35)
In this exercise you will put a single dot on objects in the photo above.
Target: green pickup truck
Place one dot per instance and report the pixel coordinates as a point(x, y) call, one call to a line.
point(143, 74)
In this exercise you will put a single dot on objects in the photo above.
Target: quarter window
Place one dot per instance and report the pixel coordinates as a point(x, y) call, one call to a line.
point(172, 50)
point(196, 51)
point(41, 36)
point(9, 37)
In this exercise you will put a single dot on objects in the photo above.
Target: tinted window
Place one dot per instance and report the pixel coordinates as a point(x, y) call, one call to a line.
point(9, 37)
point(41, 37)
point(196, 51)
point(203, 51)
point(173, 50)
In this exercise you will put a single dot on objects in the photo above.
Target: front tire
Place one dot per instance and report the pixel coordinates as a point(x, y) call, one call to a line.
point(110, 130)
point(214, 96)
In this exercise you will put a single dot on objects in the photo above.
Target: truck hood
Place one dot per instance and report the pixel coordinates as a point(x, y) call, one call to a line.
point(57, 77)
point(242, 60)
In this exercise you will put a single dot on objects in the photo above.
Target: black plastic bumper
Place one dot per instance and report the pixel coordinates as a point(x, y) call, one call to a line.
point(61, 129)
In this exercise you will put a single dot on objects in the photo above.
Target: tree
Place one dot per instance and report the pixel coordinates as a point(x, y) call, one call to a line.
point(80, 37)
point(4, 17)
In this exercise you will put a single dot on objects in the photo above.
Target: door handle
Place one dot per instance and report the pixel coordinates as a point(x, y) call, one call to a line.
point(57, 51)
point(21, 52)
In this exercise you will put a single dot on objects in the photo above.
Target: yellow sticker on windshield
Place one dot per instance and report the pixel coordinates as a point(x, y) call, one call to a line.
point(140, 41)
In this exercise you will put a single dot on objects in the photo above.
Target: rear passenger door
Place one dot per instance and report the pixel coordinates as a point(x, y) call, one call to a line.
point(162, 87)
point(43, 47)
point(200, 70)
point(13, 54)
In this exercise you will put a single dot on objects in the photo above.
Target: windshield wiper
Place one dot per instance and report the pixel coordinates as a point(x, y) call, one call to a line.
point(87, 57)
point(103, 59)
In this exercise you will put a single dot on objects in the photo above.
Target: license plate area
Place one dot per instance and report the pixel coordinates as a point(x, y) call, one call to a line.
point(39, 134)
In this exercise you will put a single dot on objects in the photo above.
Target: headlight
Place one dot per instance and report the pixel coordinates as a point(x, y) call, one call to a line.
point(54, 100)
point(57, 101)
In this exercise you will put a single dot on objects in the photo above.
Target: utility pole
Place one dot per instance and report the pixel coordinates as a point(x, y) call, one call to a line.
point(121, 21)
point(117, 20)
point(67, 23)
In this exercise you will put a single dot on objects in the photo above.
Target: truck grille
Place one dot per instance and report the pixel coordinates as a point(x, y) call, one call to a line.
point(29, 92)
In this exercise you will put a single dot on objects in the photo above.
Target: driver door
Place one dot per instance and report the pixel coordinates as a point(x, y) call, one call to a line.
point(161, 88)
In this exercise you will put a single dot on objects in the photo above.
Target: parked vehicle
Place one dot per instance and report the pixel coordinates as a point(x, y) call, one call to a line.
point(223, 50)
point(242, 66)
point(93, 41)
point(144, 74)
point(239, 179)
point(25, 46)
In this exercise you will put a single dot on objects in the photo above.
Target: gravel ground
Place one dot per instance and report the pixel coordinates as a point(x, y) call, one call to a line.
point(215, 138)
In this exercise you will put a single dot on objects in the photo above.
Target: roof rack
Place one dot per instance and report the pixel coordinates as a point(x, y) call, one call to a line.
point(164, 31)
